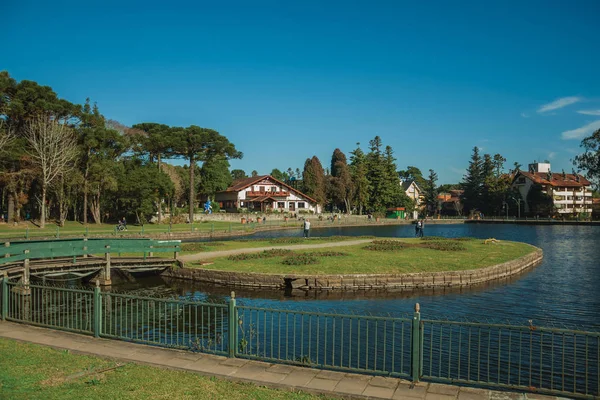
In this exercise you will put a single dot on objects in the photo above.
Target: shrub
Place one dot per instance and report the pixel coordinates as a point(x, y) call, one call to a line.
point(286, 240)
point(387, 245)
point(432, 238)
point(264, 254)
point(327, 253)
point(300, 259)
point(444, 246)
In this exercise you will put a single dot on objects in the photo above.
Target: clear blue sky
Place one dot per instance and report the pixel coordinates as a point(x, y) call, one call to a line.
point(285, 80)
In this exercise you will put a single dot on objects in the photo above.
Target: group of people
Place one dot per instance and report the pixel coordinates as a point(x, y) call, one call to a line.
point(419, 227)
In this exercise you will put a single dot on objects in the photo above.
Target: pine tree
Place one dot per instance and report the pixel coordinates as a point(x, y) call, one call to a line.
point(431, 201)
point(377, 175)
point(313, 179)
point(341, 187)
point(472, 183)
point(360, 182)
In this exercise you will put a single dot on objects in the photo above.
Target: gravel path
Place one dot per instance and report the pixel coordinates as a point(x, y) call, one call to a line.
point(213, 254)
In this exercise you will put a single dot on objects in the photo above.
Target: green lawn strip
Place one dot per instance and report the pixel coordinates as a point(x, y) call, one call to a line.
point(36, 372)
point(196, 247)
point(77, 229)
point(359, 261)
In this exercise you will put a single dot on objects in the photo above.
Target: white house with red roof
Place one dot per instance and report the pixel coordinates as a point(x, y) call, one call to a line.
point(265, 193)
point(570, 193)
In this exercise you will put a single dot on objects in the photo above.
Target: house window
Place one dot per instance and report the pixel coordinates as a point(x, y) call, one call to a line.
point(281, 204)
point(300, 204)
point(261, 189)
point(273, 189)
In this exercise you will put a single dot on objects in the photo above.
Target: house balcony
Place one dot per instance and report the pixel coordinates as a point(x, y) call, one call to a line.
point(574, 210)
point(250, 194)
point(570, 193)
point(578, 201)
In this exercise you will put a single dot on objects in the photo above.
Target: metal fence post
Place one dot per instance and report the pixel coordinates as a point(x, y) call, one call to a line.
point(97, 310)
point(233, 331)
point(4, 297)
point(415, 348)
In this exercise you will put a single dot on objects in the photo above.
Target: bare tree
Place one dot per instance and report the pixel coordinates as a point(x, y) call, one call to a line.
point(6, 136)
point(52, 147)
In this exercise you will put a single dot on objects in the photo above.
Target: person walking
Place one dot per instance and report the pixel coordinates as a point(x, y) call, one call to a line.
point(417, 228)
point(306, 228)
point(422, 228)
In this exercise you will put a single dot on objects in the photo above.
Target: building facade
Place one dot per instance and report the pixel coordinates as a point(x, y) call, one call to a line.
point(265, 194)
point(570, 193)
point(415, 193)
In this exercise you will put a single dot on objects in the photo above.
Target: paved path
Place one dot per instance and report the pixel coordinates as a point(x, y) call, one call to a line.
point(212, 254)
point(336, 384)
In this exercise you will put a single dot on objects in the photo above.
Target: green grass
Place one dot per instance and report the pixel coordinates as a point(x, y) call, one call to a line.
point(406, 260)
point(197, 247)
point(33, 372)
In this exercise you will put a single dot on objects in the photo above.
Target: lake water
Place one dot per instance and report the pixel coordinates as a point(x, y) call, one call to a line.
point(564, 289)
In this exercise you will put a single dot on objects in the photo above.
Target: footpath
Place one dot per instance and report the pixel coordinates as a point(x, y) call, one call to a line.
point(330, 383)
point(224, 253)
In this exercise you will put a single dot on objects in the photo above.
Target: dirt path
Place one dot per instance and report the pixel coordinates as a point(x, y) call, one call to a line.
point(213, 254)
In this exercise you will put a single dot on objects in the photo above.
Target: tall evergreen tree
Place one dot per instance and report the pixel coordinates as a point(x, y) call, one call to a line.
point(313, 179)
point(431, 201)
point(473, 183)
point(377, 175)
point(341, 187)
point(358, 171)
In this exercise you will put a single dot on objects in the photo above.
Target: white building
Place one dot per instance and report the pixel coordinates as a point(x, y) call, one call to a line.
point(570, 193)
point(413, 191)
point(265, 193)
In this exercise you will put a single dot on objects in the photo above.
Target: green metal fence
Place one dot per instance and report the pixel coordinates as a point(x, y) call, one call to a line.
point(182, 324)
point(530, 358)
point(11, 252)
point(552, 360)
point(53, 307)
point(344, 342)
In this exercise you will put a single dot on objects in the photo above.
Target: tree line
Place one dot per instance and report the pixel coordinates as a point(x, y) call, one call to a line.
point(65, 160)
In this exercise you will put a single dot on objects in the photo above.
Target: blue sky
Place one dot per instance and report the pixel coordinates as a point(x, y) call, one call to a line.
point(285, 80)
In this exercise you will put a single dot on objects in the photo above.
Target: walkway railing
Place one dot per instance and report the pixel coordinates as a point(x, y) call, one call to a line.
point(11, 252)
point(526, 357)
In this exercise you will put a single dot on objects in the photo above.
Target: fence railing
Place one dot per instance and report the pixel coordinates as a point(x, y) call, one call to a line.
point(11, 252)
point(526, 357)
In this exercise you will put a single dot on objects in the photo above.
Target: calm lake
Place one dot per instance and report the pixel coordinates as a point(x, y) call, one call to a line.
point(564, 289)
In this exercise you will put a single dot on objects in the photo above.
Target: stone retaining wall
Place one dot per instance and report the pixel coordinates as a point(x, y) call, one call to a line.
point(360, 281)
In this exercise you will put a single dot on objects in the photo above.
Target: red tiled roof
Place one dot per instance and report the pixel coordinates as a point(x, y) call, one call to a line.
point(556, 179)
point(241, 184)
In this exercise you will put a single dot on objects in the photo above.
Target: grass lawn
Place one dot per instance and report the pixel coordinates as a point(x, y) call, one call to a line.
point(30, 371)
point(358, 260)
point(197, 247)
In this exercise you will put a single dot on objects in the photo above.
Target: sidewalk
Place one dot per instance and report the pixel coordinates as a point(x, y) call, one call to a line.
point(337, 384)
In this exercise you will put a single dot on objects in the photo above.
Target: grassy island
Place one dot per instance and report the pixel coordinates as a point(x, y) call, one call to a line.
point(374, 256)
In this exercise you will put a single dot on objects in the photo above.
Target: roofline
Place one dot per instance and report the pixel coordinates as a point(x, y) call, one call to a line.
point(524, 173)
point(276, 180)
